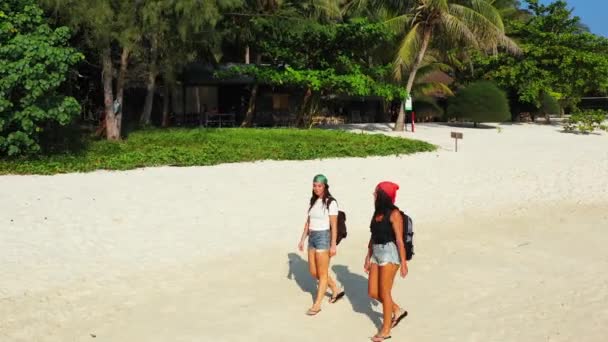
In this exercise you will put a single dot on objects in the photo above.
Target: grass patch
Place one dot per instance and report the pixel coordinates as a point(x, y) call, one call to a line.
point(197, 147)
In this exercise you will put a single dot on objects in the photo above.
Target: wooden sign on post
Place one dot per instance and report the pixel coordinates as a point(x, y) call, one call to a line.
point(456, 136)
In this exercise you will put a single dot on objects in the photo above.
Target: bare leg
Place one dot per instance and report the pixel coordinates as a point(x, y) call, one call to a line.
point(312, 263)
point(322, 262)
point(312, 268)
point(386, 277)
point(331, 282)
point(373, 284)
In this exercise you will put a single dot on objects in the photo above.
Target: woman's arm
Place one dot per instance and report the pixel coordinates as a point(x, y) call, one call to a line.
point(368, 257)
point(304, 235)
point(333, 225)
point(397, 222)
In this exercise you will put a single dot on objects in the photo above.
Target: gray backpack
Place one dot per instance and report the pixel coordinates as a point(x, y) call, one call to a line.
point(408, 235)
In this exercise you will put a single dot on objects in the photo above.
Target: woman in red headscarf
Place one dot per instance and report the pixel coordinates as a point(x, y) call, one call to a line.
point(385, 256)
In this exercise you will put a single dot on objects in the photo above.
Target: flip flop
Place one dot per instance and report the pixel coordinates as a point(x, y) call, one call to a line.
point(379, 338)
point(312, 312)
point(398, 319)
point(337, 297)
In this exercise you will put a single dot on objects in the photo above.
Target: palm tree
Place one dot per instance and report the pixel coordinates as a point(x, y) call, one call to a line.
point(470, 23)
point(427, 88)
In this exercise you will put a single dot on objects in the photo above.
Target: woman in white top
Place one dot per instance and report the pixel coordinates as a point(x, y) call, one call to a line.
point(321, 228)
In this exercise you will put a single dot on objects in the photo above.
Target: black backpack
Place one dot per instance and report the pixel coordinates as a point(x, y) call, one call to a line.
point(341, 224)
point(408, 235)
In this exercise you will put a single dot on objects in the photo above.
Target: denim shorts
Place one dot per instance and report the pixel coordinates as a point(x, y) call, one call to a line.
point(383, 254)
point(319, 240)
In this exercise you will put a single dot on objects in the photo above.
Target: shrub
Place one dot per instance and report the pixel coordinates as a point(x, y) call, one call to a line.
point(548, 105)
point(480, 102)
point(190, 147)
point(586, 121)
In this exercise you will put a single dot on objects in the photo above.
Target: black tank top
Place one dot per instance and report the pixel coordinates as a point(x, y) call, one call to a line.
point(382, 231)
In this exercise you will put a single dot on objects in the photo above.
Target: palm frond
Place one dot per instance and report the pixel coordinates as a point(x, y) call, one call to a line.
point(432, 89)
point(488, 11)
point(485, 32)
point(456, 29)
point(329, 8)
point(427, 69)
point(356, 7)
point(399, 23)
point(441, 5)
point(408, 48)
point(474, 20)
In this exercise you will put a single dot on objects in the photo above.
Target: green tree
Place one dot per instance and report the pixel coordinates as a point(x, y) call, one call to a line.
point(242, 29)
point(480, 102)
point(117, 31)
point(559, 57)
point(110, 29)
point(297, 51)
point(174, 33)
point(35, 60)
point(474, 23)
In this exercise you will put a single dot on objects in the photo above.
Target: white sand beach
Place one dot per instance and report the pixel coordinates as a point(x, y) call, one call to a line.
point(511, 235)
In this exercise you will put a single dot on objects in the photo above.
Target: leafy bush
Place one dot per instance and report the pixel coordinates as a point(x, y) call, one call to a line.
point(480, 102)
point(549, 104)
point(586, 121)
point(34, 62)
point(196, 147)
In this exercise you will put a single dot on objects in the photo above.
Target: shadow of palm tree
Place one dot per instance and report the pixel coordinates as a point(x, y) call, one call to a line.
point(298, 271)
point(355, 286)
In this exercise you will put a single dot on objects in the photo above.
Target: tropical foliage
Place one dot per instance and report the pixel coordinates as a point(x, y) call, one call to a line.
point(35, 60)
point(559, 57)
point(480, 102)
point(541, 55)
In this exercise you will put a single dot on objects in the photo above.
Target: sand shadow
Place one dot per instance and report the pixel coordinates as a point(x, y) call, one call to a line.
point(575, 132)
point(480, 126)
point(298, 271)
point(366, 127)
point(355, 286)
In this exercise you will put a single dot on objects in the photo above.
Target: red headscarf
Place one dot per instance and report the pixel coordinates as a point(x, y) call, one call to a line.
point(389, 188)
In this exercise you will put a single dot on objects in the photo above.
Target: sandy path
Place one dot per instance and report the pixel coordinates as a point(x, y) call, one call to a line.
point(510, 240)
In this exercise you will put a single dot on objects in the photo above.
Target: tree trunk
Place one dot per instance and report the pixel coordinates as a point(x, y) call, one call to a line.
point(120, 88)
point(248, 120)
point(253, 97)
point(146, 115)
point(197, 100)
point(166, 105)
point(302, 115)
point(108, 96)
point(247, 54)
point(400, 124)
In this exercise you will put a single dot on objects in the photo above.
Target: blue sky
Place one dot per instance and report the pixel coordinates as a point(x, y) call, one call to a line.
point(592, 12)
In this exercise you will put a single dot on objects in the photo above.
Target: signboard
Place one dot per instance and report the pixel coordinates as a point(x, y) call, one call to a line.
point(408, 103)
point(456, 136)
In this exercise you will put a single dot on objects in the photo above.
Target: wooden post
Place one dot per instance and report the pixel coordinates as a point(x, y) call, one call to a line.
point(184, 91)
point(413, 121)
point(456, 136)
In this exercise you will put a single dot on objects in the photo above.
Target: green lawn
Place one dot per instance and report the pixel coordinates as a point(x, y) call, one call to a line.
point(190, 147)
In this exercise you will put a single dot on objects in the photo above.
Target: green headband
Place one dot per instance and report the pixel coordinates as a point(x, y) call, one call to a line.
point(320, 179)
